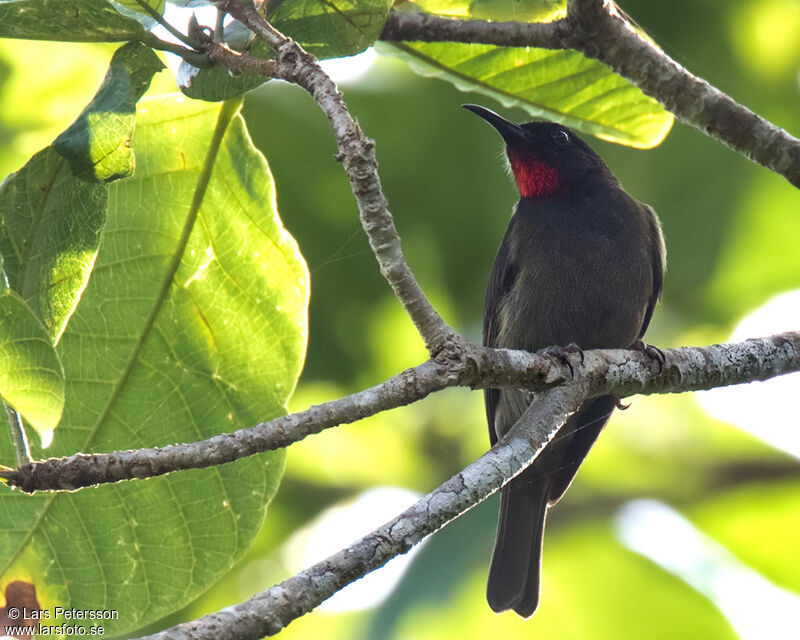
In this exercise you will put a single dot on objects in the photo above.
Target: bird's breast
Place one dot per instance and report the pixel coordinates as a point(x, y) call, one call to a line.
point(580, 276)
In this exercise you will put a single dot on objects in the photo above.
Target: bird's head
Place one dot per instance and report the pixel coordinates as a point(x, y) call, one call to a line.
point(546, 159)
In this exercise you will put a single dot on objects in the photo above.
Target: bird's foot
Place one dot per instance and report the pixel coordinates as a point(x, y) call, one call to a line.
point(562, 354)
point(618, 402)
point(654, 353)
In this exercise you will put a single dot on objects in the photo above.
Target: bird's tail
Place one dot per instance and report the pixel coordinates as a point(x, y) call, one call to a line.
point(514, 573)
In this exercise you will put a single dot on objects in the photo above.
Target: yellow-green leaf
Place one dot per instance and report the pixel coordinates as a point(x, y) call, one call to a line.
point(98, 144)
point(156, 355)
point(562, 86)
point(31, 376)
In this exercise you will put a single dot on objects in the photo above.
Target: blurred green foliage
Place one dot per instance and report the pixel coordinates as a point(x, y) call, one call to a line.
point(731, 229)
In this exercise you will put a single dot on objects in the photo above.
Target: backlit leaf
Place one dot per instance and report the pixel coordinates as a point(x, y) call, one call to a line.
point(155, 355)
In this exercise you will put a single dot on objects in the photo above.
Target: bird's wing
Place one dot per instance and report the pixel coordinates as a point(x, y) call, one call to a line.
point(659, 259)
point(500, 282)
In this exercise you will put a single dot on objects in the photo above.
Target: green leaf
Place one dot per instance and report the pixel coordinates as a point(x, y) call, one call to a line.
point(156, 5)
point(67, 20)
point(31, 376)
point(161, 351)
point(73, 73)
point(497, 10)
point(50, 224)
point(562, 86)
point(517, 10)
point(330, 28)
point(98, 144)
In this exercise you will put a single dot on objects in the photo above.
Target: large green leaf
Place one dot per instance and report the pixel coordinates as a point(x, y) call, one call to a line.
point(330, 28)
point(562, 86)
point(68, 20)
point(50, 224)
point(31, 376)
point(161, 351)
point(136, 5)
point(98, 144)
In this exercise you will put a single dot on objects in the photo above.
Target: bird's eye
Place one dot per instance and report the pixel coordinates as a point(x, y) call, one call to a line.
point(560, 137)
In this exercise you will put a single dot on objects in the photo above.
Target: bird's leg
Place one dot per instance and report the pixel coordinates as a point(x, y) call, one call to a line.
point(654, 353)
point(562, 354)
point(651, 352)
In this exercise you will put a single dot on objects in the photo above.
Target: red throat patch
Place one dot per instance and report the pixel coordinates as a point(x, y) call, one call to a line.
point(534, 177)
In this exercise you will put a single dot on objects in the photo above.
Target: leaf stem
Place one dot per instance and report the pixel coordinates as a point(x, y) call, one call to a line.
point(155, 15)
point(219, 26)
point(195, 58)
point(18, 435)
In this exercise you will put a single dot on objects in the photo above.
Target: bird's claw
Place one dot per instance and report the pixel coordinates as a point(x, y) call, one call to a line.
point(620, 405)
point(562, 355)
point(574, 348)
point(654, 353)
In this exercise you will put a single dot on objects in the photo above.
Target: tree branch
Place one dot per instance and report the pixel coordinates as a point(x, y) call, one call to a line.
point(270, 611)
point(357, 155)
point(597, 30)
point(424, 27)
point(686, 369)
point(83, 470)
point(617, 371)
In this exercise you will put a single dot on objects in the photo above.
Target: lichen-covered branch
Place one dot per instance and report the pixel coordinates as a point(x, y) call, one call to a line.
point(357, 154)
point(267, 613)
point(602, 33)
point(83, 470)
point(616, 371)
point(690, 368)
point(598, 30)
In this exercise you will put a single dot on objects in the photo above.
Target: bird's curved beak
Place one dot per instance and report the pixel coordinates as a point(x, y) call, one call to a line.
point(511, 133)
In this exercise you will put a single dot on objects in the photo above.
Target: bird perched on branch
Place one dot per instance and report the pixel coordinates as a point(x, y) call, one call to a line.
point(580, 267)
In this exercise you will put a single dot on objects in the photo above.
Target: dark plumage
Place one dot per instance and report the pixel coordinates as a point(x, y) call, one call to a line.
point(582, 263)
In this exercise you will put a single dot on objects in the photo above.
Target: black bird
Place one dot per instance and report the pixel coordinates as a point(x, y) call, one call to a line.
point(580, 267)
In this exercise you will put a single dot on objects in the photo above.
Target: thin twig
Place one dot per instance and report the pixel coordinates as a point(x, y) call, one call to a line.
point(219, 26)
point(195, 58)
point(155, 15)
